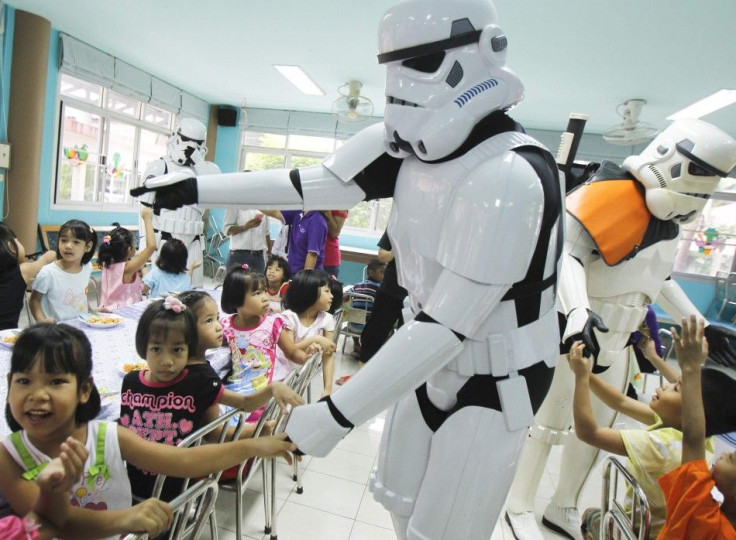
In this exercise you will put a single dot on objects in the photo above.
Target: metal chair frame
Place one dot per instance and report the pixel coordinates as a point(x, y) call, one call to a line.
point(213, 256)
point(617, 521)
point(353, 314)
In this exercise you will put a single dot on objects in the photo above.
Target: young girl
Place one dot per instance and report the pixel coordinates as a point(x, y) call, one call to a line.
point(60, 289)
point(52, 396)
point(252, 333)
point(15, 275)
point(121, 284)
point(306, 313)
point(170, 273)
point(277, 281)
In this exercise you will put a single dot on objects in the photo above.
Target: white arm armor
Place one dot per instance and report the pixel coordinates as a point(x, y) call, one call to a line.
point(410, 357)
point(573, 291)
point(324, 187)
point(676, 303)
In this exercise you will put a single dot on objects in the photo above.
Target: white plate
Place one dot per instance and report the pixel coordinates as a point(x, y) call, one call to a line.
point(7, 334)
point(92, 320)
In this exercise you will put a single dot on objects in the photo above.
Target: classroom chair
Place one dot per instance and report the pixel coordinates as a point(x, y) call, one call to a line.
point(619, 519)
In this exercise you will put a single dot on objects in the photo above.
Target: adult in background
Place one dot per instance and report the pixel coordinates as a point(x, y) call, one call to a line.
point(333, 257)
point(307, 235)
point(387, 306)
point(249, 239)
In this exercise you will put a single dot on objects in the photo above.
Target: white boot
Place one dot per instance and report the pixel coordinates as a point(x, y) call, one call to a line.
point(524, 525)
point(564, 521)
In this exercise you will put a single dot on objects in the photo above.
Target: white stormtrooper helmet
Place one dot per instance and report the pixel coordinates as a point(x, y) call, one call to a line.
point(445, 71)
point(186, 144)
point(681, 168)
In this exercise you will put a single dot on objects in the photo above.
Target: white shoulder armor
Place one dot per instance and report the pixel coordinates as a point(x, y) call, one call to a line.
point(207, 167)
point(357, 153)
point(495, 216)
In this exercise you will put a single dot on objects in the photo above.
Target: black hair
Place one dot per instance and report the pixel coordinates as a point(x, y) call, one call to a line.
point(281, 263)
point(173, 257)
point(336, 288)
point(192, 299)
point(62, 349)
point(81, 231)
point(718, 391)
point(116, 248)
point(304, 289)
point(8, 249)
point(158, 321)
point(374, 264)
point(239, 282)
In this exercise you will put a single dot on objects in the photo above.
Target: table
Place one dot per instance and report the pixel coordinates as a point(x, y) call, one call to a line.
point(111, 348)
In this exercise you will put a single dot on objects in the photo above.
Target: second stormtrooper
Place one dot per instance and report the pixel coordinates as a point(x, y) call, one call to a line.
point(185, 151)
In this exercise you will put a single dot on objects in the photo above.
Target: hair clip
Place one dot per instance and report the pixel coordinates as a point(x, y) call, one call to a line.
point(333, 277)
point(245, 266)
point(106, 239)
point(174, 304)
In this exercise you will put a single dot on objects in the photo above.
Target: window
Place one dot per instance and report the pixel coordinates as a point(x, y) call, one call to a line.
point(707, 245)
point(262, 150)
point(106, 139)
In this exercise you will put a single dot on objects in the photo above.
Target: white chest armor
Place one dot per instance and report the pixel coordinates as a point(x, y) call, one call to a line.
point(424, 197)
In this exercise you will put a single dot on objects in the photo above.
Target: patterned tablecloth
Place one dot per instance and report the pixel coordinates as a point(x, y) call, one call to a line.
point(111, 348)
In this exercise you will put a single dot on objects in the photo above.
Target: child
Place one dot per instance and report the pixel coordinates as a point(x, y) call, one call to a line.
point(651, 452)
point(121, 283)
point(15, 275)
point(210, 335)
point(52, 396)
point(170, 275)
point(60, 289)
point(252, 333)
point(700, 503)
point(306, 308)
point(51, 509)
point(368, 287)
point(278, 275)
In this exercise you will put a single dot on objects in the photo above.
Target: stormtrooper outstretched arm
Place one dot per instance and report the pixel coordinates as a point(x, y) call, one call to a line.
point(677, 305)
point(414, 353)
point(326, 186)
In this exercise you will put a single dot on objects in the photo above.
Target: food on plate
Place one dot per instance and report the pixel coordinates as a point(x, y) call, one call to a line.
point(10, 339)
point(134, 366)
point(102, 319)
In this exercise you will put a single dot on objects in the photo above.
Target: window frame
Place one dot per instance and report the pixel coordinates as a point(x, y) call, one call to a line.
point(375, 205)
point(106, 115)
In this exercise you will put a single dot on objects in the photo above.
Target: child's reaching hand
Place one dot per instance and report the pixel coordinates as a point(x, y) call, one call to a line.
point(648, 348)
point(60, 475)
point(274, 446)
point(579, 364)
point(151, 517)
point(285, 396)
point(692, 347)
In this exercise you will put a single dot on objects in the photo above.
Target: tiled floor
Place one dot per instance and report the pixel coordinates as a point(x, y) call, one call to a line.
point(336, 503)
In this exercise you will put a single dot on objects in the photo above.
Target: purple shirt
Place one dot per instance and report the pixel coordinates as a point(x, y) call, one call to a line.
point(308, 234)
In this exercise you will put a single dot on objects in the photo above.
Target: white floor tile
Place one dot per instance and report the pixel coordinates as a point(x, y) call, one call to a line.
point(297, 522)
point(345, 465)
point(361, 441)
point(330, 494)
point(372, 512)
point(253, 512)
point(364, 531)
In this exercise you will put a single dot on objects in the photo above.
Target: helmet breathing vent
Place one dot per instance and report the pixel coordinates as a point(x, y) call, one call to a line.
point(456, 75)
point(659, 176)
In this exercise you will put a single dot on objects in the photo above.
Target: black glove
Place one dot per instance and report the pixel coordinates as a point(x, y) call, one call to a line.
point(172, 196)
point(587, 336)
point(720, 349)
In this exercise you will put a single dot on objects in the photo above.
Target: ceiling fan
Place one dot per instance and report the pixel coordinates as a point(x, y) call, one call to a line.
point(352, 107)
point(631, 130)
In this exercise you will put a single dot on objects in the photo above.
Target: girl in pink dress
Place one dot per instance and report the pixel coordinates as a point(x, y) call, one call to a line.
point(121, 283)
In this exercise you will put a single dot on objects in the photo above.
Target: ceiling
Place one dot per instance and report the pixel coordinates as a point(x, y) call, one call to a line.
point(573, 55)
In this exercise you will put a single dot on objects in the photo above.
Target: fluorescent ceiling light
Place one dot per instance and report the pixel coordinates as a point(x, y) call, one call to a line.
point(718, 100)
point(301, 80)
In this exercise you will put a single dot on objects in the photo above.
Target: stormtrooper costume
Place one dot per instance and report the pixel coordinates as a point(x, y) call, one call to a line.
point(185, 153)
point(622, 231)
point(476, 227)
